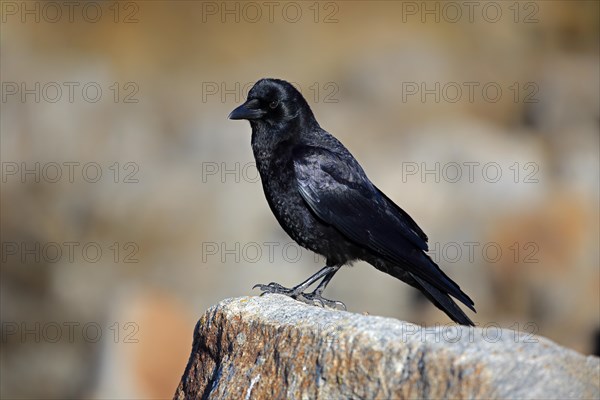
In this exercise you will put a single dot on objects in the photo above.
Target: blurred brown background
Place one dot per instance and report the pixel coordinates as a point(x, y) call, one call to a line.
point(480, 120)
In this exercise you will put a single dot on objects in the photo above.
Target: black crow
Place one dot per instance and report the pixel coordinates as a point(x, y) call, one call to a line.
point(323, 199)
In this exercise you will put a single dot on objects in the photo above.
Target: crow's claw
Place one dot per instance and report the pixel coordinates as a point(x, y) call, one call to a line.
point(274, 287)
point(318, 300)
point(314, 299)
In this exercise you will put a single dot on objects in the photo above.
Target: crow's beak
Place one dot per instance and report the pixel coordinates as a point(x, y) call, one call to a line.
point(248, 110)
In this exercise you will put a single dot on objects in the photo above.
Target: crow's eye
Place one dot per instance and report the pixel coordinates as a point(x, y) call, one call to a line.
point(274, 104)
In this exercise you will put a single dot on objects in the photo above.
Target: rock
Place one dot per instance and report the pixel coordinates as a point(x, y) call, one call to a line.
point(273, 347)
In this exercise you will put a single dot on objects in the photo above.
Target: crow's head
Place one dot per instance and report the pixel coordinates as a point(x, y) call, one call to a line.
point(274, 103)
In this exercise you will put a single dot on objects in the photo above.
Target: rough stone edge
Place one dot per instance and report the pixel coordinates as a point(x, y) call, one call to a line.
point(268, 310)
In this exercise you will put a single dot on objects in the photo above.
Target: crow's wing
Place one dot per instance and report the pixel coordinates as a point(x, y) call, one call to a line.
point(407, 219)
point(339, 193)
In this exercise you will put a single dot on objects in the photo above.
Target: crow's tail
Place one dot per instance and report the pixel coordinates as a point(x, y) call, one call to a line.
point(436, 286)
point(443, 302)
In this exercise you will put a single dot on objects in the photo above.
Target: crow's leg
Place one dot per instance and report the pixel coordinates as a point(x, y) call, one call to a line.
point(297, 292)
point(315, 295)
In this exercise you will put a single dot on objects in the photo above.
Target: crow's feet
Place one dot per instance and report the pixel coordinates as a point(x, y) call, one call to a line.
point(317, 300)
point(314, 299)
point(274, 287)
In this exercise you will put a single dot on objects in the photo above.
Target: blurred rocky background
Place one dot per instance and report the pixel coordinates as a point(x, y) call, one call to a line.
point(130, 203)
